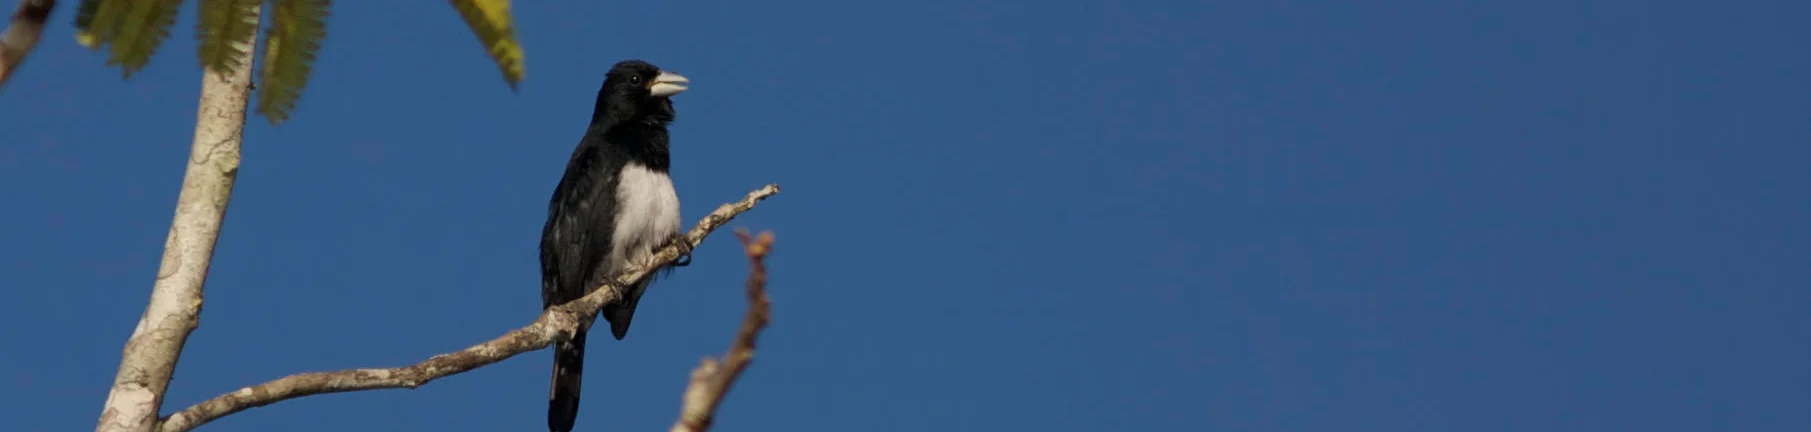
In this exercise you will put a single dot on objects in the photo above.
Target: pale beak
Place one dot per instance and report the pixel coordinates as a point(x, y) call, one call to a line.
point(668, 84)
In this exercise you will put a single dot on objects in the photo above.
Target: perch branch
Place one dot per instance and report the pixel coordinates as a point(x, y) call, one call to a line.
point(555, 324)
point(22, 34)
point(712, 379)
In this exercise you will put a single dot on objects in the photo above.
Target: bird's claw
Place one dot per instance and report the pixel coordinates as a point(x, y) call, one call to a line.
point(685, 250)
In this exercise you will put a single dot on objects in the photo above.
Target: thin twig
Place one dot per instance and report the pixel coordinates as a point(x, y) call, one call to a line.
point(555, 324)
point(712, 379)
point(22, 33)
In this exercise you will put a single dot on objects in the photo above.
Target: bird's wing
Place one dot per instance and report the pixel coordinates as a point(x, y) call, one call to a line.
point(576, 239)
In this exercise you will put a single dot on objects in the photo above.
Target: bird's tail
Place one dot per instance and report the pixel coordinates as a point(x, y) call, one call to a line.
point(621, 312)
point(568, 375)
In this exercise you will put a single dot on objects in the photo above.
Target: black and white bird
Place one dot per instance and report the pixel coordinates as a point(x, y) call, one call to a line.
point(612, 209)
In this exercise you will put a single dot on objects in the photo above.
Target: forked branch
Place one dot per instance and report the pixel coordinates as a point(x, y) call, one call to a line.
point(555, 324)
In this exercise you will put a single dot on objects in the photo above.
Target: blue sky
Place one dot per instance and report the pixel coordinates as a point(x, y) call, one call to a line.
point(1053, 216)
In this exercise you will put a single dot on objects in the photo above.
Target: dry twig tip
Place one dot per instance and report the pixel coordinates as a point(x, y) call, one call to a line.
point(712, 379)
point(21, 34)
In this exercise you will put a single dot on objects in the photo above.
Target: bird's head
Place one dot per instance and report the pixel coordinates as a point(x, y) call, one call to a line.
point(637, 92)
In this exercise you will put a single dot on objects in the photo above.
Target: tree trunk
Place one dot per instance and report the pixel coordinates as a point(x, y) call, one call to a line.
point(149, 359)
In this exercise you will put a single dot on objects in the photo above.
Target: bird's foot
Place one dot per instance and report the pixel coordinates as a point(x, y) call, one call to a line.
point(685, 250)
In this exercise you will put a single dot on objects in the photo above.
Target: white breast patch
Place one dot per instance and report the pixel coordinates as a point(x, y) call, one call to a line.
point(647, 214)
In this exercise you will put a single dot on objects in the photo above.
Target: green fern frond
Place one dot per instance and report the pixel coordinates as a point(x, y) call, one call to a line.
point(222, 24)
point(146, 24)
point(290, 44)
point(97, 21)
point(491, 21)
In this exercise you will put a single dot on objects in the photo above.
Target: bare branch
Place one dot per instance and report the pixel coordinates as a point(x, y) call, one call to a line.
point(555, 324)
point(712, 379)
point(22, 34)
point(174, 311)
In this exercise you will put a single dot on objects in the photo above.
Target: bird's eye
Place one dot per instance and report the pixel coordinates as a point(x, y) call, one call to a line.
point(635, 80)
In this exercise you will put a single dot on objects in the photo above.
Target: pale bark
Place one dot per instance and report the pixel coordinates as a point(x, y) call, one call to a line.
point(712, 379)
point(149, 359)
point(21, 34)
point(555, 324)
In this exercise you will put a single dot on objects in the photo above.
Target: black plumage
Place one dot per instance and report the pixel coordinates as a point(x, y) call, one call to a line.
point(612, 208)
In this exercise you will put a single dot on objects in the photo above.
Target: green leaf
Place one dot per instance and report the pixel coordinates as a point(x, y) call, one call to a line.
point(222, 24)
point(491, 22)
point(97, 21)
point(146, 24)
point(290, 44)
